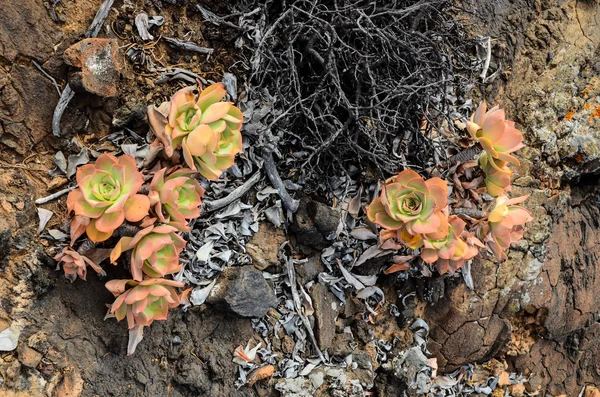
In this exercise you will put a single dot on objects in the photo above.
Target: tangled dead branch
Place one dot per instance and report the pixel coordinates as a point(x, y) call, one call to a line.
point(358, 83)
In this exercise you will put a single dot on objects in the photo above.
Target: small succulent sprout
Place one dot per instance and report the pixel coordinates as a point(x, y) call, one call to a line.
point(207, 130)
point(409, 201)
point(176, 197)
point(107, 194)
point(451, 252)
point(144, 301)
point(497, 136)
point(505, 224)
point(497, 175)
point(155, 252)
point(75, 264)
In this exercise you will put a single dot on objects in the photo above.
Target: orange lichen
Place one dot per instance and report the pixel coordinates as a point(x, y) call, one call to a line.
point(584, 93)
point(595, 114)
point(569, 115)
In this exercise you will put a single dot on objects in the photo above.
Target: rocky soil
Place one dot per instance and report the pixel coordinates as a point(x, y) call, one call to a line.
point(537, 311)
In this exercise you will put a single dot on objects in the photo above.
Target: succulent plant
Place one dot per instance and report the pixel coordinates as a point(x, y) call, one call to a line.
point(155, 252)
point(75, 264)
point(407, 201)
point(505, 224)
point(107, 193)
point(176, 196)
point(497, 175)
point(145, 301)
point(207, 130)
point(497, 136)
point(451, 252)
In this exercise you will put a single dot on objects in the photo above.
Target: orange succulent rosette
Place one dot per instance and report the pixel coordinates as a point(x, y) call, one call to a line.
point(411, 204)
point(108, 194)
point(145, 301)
point(207, 130)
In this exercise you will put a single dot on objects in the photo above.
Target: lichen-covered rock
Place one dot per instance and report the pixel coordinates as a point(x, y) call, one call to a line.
point(97, 64)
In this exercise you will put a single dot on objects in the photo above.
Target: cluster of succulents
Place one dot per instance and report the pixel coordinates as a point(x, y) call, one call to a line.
point(111, 193)
point(415, 211)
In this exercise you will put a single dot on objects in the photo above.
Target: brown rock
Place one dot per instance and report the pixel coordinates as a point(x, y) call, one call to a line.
point(325, 305)
point(70, 386)
point(287, 344)
point(98, 64)
point(518, 390)
point(28, 356)
point(340, 346)
point(263, 247)
point(591, 391)
point(27, 30)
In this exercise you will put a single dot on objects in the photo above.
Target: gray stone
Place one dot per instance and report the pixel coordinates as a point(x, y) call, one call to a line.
point(244, 291)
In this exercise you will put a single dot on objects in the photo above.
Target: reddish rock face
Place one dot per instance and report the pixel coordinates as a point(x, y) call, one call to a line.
point(98, 64)
point(557, 291)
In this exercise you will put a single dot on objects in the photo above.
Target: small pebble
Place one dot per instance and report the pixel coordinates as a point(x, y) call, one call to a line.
point(176, 340)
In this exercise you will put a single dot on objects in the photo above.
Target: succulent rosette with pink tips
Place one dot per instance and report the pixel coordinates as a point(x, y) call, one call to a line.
point(143, 302)
point(505, 224)
point(155, 251)
point(108, 194)
point(497, 175)
point(452, 251)
point(408, 201)
point(497, 136)
point(206, 129)
point(176, 197)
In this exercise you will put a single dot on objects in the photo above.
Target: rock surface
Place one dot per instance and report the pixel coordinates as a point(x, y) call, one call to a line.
point(244, 291)
point(325, 305)
point(314, 223)
point(98, 66)
point(550, 280)
point(263, 247)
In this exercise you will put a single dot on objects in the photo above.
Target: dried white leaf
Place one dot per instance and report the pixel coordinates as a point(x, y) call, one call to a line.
point(44, 216)
point(243, 356)
point(199, 295)
point(203, 254)
point(57, 234)
point(354, 205)
point(350, 278)
point(372, 252)
point(366, 280)
point(224, 256)
point(307, 302)
point(76, 160)
point(309, 367)
point(363, 233)
point(9, 338)
point(445, 382)
point(136, 334)
point(60, 161)
point(233, 209)
point(129, 149)
point(273, 214)
point(368, 291)
point(266, 192)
